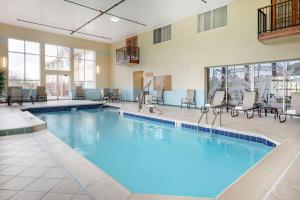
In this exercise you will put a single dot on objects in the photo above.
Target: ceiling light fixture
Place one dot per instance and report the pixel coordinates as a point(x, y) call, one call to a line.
point(114, 19)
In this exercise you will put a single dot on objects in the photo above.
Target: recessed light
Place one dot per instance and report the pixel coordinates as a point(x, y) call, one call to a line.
point(114, 19)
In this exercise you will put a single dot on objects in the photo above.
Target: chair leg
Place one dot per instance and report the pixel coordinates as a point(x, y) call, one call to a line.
point(234, 113)
point(282, 120)
point(250, 116)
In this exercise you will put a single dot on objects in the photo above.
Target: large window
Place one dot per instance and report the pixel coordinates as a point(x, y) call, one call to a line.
point(57, 57)
point(162, 34)
point(84, 68)
point(212, 19)
point(273, 82)
point(24, 63)
point(216, 81)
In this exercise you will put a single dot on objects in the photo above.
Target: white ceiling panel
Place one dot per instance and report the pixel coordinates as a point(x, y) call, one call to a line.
point(153, 13)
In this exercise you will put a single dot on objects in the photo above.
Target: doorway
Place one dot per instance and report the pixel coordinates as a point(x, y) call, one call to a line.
point(138, 83)
point(57, 86)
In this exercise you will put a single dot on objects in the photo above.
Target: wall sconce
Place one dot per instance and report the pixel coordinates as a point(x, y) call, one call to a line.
point(98, 69)
point(4, 62)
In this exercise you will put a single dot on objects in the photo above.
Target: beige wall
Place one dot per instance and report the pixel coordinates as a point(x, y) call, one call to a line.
point(102, 49)
point(189, 52)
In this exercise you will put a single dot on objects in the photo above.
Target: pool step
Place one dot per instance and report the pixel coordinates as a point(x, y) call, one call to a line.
point(26, 123)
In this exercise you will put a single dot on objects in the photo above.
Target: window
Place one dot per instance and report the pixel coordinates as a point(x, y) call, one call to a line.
point(57, 57)
point(212, 19)
point(84, 68)
point(162, 34)
point(24, 63)
point(273, 82)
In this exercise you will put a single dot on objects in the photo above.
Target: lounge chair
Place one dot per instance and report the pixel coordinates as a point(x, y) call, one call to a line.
point(15, 95)
point(159, 97)
point(248, 105)
point(106, 94)
point(189, 99)
point(80, 93)
point(29, 98)
point(115, 95)
point(41, 93)
point(294, 109)
point(217, 102)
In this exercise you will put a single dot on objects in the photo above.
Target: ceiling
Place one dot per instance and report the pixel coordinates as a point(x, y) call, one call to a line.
point(153, 13)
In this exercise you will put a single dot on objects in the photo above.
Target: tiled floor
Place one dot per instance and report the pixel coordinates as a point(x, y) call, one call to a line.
point(29, 172)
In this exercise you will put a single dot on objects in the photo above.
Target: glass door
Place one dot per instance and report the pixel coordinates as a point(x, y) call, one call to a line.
point(57, 86)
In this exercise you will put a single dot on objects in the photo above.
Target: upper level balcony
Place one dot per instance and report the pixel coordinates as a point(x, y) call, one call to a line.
point(281, 20)
point(128, 55)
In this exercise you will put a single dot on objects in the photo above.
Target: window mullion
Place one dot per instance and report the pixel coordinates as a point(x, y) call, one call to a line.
point(24, 81)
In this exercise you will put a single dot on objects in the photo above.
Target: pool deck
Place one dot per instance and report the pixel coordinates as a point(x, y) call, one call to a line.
point(276, 177)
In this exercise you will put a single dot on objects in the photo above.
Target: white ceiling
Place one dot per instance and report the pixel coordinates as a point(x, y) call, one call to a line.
point(153, 13)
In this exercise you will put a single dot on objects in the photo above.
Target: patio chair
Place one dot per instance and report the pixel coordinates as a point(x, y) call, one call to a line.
point(106, 95)
point(217, 102)
point(248, 105)
point(294, 109)
point(115, 95)
point(159, 97)
point(41, 93)
point(189, 99)
point(15, 95)
point(80, 93)
point(29, 98)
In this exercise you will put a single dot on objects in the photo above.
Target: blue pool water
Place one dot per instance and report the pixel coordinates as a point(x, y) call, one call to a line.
point(153, 158)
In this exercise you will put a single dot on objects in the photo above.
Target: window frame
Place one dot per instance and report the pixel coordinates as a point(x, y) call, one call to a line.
point(24, 81)
point(201, 27)
point(162, 31)
point(83, 83)
point(59, 57)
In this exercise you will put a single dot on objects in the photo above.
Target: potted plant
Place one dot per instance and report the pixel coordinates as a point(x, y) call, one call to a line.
point(2, 82)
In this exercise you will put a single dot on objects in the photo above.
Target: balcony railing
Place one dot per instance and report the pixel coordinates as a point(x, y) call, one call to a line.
point(278, 16)
point(127, 55)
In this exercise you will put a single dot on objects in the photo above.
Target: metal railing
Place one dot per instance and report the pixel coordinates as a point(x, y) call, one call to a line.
point(141, 95)
point(278, 16)
point(128, 55)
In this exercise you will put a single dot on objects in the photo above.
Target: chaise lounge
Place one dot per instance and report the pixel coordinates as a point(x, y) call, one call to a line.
point(218, 102)
point(189, 99)
point(80, 93)
point(294, 109)
point(15, 95)
point(159, 97)
point(248, 105)
point(41, 93)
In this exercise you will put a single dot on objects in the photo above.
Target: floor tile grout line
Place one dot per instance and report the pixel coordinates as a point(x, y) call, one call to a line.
point(49, 191)
point(281, 176)
point(72, 175)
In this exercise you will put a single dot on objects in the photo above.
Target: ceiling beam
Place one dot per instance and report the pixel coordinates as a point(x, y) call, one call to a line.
point(97, 10)
point(63, 29)
point(99, 15)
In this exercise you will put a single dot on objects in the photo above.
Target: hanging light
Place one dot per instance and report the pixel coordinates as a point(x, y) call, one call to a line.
point(114, 19)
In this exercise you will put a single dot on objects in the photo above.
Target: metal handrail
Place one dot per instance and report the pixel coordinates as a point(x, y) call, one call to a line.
point(141, 95)
point(216, 113)
point(278, 16)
